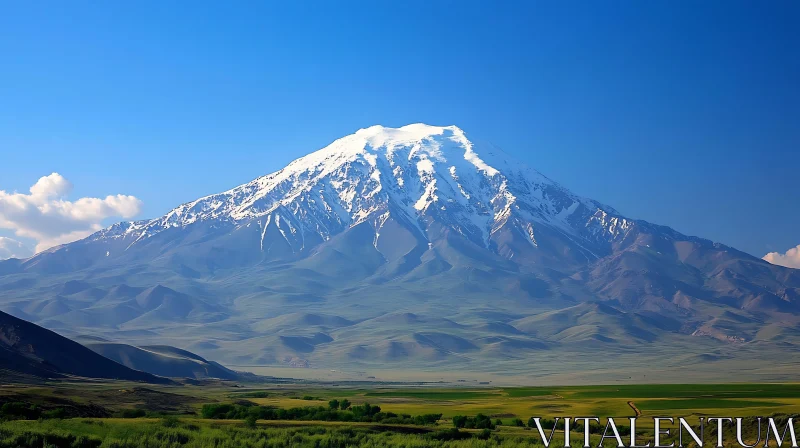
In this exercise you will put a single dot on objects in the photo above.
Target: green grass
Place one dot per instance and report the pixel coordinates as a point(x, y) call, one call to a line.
point(529, 391)
point(432, 394)
point(690, 391)
point(113, 433)
point(497, 403)
point(702, 403)
point(252, 394)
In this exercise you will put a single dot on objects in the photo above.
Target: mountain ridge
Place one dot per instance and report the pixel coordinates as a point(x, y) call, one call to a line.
point(381, 152)
point(388, 222)
point(29, 349)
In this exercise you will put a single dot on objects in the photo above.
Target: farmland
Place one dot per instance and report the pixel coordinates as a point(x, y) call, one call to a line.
point(118, 414)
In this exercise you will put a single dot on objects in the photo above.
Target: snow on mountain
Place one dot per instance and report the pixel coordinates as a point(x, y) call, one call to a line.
point(418, 246)
point(415, 174)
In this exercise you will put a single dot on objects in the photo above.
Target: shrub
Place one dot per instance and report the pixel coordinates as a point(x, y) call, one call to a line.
point(484, 435)
point(545, 422)
point(449, 434)
point(480, 421)
point(16, 410)
point(170, 421)
point(427, 419)
point(56, 413)
point(133, 413)
point(28, 438)
point(220, 411)
point(254, 394)
point(362, 413)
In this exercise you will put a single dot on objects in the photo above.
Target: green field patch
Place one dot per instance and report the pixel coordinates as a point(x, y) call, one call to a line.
point(252, 394)
point(432, 395)
point(520, 392)
point(689, 391)
point(702, 403)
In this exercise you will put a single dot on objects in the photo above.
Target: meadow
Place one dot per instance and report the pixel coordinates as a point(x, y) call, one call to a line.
point(679, 399)
point(115, 414)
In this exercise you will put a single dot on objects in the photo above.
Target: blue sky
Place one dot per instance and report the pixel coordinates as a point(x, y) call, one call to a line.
point(682, 113)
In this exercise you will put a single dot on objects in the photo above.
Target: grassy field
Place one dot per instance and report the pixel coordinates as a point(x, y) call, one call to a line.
point(193, 433)
point(92, 410)
point(680, 400)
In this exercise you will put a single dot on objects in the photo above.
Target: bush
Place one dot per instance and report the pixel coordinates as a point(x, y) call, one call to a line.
point(480, 421)
point(427, 419)
point(595, 428)
point(254, 394)
point(517, 422)
point(133, 413)
point(56, 413)
point(362, 413)
point(484, 435)
point(34, 439)
point(365, 410)
point(19, 411)
point(169, 438)
point(218, 411)
point(170, 421)
point(449, 434)
point(545, 422)
point(250, 421)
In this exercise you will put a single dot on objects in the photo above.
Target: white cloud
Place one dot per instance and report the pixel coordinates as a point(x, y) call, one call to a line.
point(46, 216)
point(11, 248)
point(791, 259)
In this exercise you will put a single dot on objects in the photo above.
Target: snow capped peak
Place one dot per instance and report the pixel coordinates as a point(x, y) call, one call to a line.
point(406, 134)
point(428, 142)
point(382, 137)
point(416, 174)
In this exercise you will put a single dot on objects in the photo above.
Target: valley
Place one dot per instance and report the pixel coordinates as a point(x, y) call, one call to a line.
point(377, 224)
point(103, 413)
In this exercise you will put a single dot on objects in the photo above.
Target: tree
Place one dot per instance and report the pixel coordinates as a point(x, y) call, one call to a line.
point(459, 421)
point(333, 404)
point(427, 419)
point(250, 421)
point(498, 422)
point(344, 404)
point(517, 422)
point(546, 423)
point(485, 434)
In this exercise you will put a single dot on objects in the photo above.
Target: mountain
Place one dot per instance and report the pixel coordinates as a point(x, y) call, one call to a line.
point(29, 349)
point(411, 246)
point(161, 360)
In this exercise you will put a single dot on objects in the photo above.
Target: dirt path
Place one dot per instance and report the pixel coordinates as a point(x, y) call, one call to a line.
point(635, 409)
